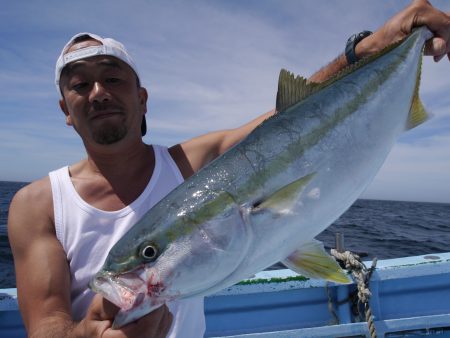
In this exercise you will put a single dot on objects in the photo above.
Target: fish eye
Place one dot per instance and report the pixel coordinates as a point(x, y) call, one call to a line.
point(149, 252)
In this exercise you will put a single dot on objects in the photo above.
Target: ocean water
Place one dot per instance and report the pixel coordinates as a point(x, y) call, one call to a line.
point(373, 228)
point(7, 276)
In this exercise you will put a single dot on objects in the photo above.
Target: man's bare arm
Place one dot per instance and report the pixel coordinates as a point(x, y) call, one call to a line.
point(42, 275)
point(418, 13)
point(201, 150)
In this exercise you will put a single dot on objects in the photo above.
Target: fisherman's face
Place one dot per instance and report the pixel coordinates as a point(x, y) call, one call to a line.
point(101, 98)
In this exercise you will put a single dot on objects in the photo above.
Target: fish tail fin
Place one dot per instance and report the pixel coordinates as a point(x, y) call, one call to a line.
point(417, 113)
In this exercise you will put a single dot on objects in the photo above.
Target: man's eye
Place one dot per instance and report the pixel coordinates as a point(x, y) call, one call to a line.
point(79, 86)
point(112, 80)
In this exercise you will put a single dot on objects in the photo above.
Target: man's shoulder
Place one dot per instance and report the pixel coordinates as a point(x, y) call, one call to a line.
point(31, 210)
point(35, 190)
point(35, 196)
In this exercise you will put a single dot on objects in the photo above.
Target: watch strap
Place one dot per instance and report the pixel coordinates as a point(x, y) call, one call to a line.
point(351, 44)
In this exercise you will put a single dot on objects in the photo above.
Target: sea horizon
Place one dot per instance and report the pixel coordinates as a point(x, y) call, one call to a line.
point(362, 198)
point(371, 227)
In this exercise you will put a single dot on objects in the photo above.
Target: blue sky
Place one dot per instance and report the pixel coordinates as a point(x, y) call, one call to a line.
point(207, 65)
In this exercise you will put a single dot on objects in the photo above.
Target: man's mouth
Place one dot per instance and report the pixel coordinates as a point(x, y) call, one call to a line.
point(104, 114)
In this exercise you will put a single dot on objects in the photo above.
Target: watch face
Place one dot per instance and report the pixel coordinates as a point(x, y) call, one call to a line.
point(362, 35)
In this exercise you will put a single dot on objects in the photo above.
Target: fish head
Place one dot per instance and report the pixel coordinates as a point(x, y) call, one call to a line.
point(128, 275)
point(184, 256)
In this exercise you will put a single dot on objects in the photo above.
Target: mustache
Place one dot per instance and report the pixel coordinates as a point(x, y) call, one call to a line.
point(98, 107)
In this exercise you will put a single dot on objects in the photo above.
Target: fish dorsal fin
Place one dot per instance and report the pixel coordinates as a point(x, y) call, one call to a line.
point(311, 260)
point(292, 89)
point(283, 199)
point(417, 112)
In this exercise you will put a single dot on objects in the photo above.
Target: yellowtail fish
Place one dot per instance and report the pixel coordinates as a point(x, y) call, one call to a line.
point(265, 199)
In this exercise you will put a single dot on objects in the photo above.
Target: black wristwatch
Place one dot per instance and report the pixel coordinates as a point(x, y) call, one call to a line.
point(351, 44)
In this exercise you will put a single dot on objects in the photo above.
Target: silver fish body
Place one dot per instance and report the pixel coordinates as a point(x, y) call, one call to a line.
point(291, 178)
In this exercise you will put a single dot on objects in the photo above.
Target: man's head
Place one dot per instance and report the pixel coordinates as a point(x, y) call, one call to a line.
point(88, 46)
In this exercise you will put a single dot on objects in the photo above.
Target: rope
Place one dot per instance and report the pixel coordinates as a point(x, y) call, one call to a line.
point(335, 320)
point(361, 275)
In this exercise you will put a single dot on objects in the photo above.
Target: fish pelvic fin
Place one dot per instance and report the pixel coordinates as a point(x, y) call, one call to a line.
point(311, 260)
point(284, 198)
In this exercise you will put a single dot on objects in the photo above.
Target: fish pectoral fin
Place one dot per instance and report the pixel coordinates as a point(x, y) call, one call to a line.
point(311, 260)
point(285, 197)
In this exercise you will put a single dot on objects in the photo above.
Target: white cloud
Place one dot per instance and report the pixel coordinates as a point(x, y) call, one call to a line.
point(415, 172)
point(207, 65)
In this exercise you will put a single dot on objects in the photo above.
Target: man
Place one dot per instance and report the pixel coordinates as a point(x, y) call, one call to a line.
point(62, 226)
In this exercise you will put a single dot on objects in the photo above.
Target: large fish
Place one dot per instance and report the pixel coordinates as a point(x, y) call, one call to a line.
point(265, 199)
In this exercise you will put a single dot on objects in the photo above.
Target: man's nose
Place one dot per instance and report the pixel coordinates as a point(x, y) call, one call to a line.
point(99, 93)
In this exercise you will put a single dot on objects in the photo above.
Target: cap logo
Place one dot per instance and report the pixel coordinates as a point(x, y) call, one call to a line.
point(84, 53)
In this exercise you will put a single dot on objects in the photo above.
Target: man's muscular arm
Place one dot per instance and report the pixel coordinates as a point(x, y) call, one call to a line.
point(201, 150)
point(418, 13)
point(43, 277)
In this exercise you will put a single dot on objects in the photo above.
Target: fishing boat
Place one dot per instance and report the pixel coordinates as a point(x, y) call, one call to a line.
point(410, 297)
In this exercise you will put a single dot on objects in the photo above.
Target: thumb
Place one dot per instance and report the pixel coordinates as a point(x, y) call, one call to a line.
point(436, 46)
point(102, 309)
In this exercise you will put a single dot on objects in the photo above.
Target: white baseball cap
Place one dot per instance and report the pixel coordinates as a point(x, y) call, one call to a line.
point(109, 47)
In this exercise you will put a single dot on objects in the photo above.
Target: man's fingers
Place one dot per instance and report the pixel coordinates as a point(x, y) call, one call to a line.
point(436, 46)
point(424, 14)
point(109, 309)
point(166, 322)
point(155, 324)
point(102, 309)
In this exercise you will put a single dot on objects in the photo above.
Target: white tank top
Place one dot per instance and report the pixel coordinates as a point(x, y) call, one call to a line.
point(87, 234)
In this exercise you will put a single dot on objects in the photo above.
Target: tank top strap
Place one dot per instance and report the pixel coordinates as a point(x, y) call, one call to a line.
point(58, 180)
point(169, 162)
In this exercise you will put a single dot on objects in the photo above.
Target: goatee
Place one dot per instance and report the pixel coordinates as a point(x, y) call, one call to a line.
point(110, 134)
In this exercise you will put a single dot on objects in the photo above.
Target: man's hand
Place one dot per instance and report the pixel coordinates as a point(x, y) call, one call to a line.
point(418, 13)
point(100, 316)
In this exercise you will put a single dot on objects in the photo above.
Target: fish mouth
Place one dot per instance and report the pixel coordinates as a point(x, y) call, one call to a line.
point(127, 291)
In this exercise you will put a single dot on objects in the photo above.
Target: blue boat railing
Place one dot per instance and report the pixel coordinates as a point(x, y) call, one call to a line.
point(410, 298)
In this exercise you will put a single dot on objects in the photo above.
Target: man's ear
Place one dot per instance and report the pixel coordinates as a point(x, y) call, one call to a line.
point(143, 97)
point(62, 105)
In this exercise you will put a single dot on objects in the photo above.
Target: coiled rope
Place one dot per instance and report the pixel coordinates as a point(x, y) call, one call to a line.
point(361, 275)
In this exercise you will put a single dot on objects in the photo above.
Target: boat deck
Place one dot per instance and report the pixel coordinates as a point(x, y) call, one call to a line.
point(410, 298)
